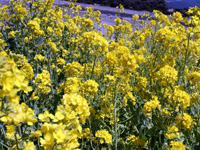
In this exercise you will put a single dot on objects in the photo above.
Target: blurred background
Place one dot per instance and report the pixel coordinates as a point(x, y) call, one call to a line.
point(181, 4)
point(149, 5)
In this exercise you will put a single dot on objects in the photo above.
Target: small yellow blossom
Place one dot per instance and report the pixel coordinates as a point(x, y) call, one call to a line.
point(104, 135)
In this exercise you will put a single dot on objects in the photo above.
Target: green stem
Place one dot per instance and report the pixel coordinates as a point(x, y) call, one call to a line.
point(115, 111)
point(4, 133)
point(127, 119)
point(20, 131)
point(16, 141)
point(188, 41)
point(2, 105)
point(93, 67)
point(4, 145)
point(91, 135)
point(106, 125)
point(49, 69)
point(82, 143)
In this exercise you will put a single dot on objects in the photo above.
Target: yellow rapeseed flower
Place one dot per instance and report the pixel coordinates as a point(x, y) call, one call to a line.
point(105, 135)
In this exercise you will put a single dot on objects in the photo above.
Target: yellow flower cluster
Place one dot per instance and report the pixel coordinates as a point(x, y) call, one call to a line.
point(34, 25)
point(77, 104)
point(166, 75)
point(94, 40)
point(12, 80)
point(151, 105)
point(194, 77)
point(72, 85)
point(90, 87)
point(177, 146)
point(136, 141)
point(73, 69)
point(21, 113)
point(105, 136)
point(39, 57)
point(43, 82)
point(173, 132)
point(180, 98)
point(184, 121)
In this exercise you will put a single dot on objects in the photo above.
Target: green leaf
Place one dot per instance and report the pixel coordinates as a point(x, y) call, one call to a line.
point(21, 143)
point(143, 137)
point(198, 133)
point(164, 147)
point(150, 125)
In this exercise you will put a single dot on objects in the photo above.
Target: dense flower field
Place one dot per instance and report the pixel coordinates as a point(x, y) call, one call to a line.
point(65, 85)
